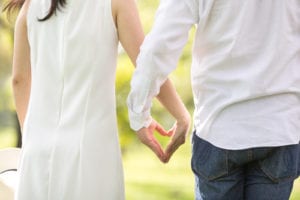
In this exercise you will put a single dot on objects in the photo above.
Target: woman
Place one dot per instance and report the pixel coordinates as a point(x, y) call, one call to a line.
point(65, 61)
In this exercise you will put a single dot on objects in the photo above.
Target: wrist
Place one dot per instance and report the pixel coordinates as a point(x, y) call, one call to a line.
point(184, 120)
point(139, 120)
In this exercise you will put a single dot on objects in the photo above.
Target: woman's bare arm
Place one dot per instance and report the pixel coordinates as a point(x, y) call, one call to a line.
point(21, 69)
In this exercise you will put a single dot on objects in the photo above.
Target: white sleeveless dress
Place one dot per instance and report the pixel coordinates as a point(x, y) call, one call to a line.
point(70, 141)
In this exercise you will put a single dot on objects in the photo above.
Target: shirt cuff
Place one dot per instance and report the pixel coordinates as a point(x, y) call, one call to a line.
point(139, 120)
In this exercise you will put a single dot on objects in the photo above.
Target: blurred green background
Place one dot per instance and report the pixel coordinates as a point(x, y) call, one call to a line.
point(146, 178)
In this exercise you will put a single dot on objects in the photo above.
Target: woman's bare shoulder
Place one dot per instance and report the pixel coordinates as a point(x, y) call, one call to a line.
point(119, 6)
point(22, 16)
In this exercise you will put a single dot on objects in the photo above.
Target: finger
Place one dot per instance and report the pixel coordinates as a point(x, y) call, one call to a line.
point(172, 131)
point(170, 151)
point(157, 149)
point(153, 144)
point(173, 146)
point(161, 130)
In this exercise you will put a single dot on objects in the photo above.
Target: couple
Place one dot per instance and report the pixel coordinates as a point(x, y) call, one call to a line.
point(246, 86)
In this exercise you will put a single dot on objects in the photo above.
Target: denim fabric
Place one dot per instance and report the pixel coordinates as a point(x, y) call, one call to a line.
point(253, 174)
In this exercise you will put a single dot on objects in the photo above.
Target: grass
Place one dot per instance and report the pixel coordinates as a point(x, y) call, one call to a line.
point(296, 190)
point(148, 179)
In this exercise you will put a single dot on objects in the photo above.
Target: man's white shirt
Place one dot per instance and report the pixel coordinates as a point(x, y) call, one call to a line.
point(245, 69)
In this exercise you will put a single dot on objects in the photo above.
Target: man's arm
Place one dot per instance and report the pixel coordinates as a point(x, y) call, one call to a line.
point(158, 57)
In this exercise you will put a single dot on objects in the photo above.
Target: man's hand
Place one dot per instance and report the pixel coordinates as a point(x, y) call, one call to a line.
point(146, 136)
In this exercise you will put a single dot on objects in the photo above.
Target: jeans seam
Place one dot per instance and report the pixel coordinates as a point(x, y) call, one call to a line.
point(275, 180)
point(250, 155)
point(212, 178)
point(227, 165)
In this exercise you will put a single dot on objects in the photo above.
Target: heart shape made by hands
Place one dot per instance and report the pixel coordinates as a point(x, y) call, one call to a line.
point(146, 136)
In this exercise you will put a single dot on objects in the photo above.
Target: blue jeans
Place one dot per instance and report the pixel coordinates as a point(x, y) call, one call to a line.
point(252, 174)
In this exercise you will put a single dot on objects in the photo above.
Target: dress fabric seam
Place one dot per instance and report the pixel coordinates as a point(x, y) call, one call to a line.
point(62, 65)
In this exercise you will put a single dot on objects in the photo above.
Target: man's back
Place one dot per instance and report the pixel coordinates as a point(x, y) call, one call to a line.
point(246, 58)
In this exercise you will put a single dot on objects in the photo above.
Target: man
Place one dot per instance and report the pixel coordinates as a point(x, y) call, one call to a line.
point(246, 86)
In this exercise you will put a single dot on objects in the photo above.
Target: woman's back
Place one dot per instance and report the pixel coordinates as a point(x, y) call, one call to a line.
point(70, 130)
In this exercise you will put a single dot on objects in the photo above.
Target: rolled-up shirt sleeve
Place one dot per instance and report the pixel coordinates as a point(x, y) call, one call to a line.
point(158, 57)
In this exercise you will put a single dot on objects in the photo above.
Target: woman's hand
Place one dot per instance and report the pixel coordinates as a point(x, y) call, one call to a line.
point(181, 129)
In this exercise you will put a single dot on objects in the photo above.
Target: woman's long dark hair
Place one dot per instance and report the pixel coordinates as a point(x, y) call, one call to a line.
point(17, 4)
